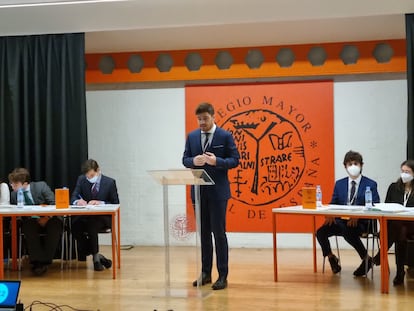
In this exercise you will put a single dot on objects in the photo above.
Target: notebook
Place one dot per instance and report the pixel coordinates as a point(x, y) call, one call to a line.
point(9, 291)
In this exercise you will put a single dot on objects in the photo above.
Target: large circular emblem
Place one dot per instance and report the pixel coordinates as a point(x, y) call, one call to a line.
point(272, 158)
point(4, 293)
point(179, 228)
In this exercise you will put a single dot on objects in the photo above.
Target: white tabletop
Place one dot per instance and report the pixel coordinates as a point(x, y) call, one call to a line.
point(334, 210)
point(7, 210)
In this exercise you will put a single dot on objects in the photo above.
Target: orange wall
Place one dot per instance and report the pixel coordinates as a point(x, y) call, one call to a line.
point(301, 66)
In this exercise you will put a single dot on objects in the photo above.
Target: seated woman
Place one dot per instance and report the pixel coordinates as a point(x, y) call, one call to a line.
point(402, 192)
point(4, 194)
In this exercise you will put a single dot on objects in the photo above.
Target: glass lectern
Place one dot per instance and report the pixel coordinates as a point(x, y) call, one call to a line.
point(195, 177)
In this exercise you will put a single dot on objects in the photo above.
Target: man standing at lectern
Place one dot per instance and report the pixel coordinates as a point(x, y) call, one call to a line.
point(213, 149)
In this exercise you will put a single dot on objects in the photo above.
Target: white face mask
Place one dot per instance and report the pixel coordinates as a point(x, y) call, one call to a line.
point(94, 179)
point(405, 177)
point(353, 170)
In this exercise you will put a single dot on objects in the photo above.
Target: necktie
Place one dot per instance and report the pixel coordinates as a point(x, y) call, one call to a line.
point(94, 190)
point(205, 145)
point(27, 199)
point(352, 193)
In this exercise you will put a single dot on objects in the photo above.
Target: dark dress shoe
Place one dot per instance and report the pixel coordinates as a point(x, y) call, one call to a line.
point(221, 283)
point(334, 261)
point(203, 279)
point(399, 278)
point(377, 259)
point(39, 269)
point(360, 271)
point(97, 266)
point(107, 263)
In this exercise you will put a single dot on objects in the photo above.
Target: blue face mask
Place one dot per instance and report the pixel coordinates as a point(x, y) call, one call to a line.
point(94, 179)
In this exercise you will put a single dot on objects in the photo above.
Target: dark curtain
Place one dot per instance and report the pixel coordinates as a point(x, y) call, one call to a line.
point(409, 24)
point(43, 107)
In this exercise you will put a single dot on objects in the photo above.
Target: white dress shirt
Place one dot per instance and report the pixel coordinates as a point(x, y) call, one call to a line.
point(4, 194)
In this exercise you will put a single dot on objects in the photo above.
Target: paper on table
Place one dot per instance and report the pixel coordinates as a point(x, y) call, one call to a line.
point(77, 206)
point(345, 207)
point(40, 208)
point(389, 207)
point(89, 206)
point(95, 206)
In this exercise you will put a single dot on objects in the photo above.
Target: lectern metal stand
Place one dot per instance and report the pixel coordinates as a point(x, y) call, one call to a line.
point(197, 178)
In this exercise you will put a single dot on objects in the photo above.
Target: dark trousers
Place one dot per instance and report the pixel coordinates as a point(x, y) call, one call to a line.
point(42, 249)
point(85, 230)
point(340, 228)
point(398, 233)
point(213, 221)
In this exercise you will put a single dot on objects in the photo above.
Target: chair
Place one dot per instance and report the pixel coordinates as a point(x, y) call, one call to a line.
point(7, 234)
point(371, 233)
point(409, 259)
point(64, 234)
point(64, 240)
point(104, 230)
point(338, 255)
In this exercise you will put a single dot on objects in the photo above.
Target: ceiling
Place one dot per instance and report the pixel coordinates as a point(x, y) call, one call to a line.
point(150, 25)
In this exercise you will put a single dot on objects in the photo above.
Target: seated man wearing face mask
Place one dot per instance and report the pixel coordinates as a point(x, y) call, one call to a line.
point(92, 188)
point(349, 190)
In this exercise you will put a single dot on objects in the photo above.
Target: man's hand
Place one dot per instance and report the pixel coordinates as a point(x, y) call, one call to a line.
point(210, 158)
point(329, 221)
point(353, 222)
point(94, 202)
point(199, 160)
point(42, 221)
point(81, 202)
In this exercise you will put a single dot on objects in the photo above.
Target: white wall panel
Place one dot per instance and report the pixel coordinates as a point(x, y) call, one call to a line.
point(133, 131)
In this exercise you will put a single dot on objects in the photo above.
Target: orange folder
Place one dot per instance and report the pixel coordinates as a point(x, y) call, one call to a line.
point(62, 198)
point(309, 197)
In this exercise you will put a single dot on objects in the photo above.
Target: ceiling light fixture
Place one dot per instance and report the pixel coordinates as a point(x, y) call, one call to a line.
point(26, 3)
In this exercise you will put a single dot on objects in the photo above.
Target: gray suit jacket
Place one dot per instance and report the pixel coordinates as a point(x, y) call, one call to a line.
point(41, 194)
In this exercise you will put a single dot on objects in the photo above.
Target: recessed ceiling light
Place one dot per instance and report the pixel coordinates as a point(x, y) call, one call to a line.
point(35, 3)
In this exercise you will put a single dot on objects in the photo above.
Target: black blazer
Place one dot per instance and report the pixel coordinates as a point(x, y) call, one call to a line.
point(396, 195)
point(108, 192)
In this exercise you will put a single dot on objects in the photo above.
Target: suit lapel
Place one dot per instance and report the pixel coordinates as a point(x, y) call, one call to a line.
point(200, 148)
point(361, 191)
point(87, 189)
point(34, 192)
point(102, 186)
point(361, 188)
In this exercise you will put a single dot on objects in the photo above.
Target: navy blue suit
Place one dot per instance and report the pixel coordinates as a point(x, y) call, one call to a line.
point(340, 227)
point(85, 228)
point(214, 198)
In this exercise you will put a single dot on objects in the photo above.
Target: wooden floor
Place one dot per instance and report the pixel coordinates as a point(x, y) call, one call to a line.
point(141, 284)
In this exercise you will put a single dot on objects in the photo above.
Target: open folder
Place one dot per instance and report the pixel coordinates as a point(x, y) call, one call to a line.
point(389, 207)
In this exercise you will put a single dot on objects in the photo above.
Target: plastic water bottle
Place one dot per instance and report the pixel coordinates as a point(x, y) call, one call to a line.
point(368, 198)
point(20, 198)
point(318, 196)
